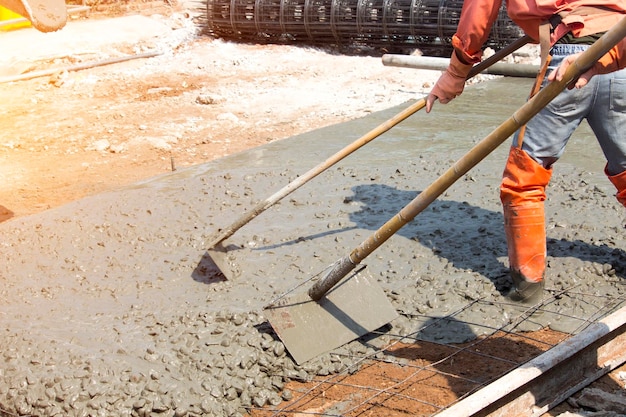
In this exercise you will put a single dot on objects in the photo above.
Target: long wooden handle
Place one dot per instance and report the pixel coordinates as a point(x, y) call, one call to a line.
point(312, 173)
point(343, 266)
point(362, 141)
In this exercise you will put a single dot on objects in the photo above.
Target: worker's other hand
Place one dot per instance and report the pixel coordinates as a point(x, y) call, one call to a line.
point(450, 84)
point(559, 73)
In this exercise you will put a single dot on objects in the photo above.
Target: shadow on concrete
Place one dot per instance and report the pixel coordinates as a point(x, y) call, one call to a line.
point(468, 236)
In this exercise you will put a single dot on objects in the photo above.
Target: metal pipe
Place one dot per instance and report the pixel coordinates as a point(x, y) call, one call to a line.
point(440, 64)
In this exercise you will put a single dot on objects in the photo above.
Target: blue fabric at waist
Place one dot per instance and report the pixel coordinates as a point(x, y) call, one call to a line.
point(567, 48)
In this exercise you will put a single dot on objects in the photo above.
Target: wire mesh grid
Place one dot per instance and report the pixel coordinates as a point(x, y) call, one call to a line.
point(418, 375)
point(375, 23)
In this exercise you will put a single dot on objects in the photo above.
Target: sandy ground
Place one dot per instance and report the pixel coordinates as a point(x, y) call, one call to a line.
point(79, 133)
point(111, 304)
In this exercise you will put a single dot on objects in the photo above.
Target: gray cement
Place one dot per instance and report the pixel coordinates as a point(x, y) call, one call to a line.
point(111, 305)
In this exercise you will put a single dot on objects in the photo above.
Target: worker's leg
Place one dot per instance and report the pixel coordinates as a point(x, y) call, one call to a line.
point(526, 175)
point(523, 194)
point(607, 118)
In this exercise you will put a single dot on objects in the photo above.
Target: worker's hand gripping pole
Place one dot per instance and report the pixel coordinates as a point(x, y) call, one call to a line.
point(470, 159)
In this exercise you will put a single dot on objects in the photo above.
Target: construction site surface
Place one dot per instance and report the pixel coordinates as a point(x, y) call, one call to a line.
point(114, 176)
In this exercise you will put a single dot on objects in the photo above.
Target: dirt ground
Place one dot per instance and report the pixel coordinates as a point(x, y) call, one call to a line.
point(74, 134)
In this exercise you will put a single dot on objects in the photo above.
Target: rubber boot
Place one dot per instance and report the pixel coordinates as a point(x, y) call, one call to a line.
point(522, 193)
point(525, 231)
point(619, 181)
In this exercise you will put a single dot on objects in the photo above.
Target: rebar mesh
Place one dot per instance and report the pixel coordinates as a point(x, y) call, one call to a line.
point(420, 375)
point(375, 23)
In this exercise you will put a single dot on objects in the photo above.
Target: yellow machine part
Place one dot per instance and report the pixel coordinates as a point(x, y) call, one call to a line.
point(44, 15)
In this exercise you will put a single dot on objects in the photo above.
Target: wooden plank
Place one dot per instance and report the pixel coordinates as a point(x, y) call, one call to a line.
point(544, 382)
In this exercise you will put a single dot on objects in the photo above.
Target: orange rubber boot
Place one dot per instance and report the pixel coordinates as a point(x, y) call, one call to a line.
point(522, 193)
point(619, 181)
point(524, 226)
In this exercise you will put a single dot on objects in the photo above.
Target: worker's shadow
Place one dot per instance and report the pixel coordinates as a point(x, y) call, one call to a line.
point(469, 237)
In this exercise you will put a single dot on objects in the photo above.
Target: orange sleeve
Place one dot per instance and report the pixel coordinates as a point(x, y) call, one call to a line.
point(477, 18)
point(613, 60)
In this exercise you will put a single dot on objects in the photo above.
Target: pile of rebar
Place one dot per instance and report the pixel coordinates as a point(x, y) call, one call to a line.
point(375, 23)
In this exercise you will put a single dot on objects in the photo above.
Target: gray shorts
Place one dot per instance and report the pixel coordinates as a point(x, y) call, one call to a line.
point(602, 102)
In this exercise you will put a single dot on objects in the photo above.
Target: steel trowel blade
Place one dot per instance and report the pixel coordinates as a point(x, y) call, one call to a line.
point(225, 260)
point(353, 308)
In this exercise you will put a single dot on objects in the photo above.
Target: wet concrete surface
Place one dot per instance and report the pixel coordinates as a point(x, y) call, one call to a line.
point(112, 305)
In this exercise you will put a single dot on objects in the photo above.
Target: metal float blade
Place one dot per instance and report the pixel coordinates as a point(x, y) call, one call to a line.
point(355, 307)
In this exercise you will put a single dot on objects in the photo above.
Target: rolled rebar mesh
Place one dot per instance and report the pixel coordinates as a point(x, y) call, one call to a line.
point(374, 23)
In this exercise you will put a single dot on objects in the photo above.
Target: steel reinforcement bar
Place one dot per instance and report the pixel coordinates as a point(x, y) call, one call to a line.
point(549, 379)
point(375, 23)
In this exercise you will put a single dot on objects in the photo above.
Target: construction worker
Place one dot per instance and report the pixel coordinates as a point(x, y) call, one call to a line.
point(562, 29)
